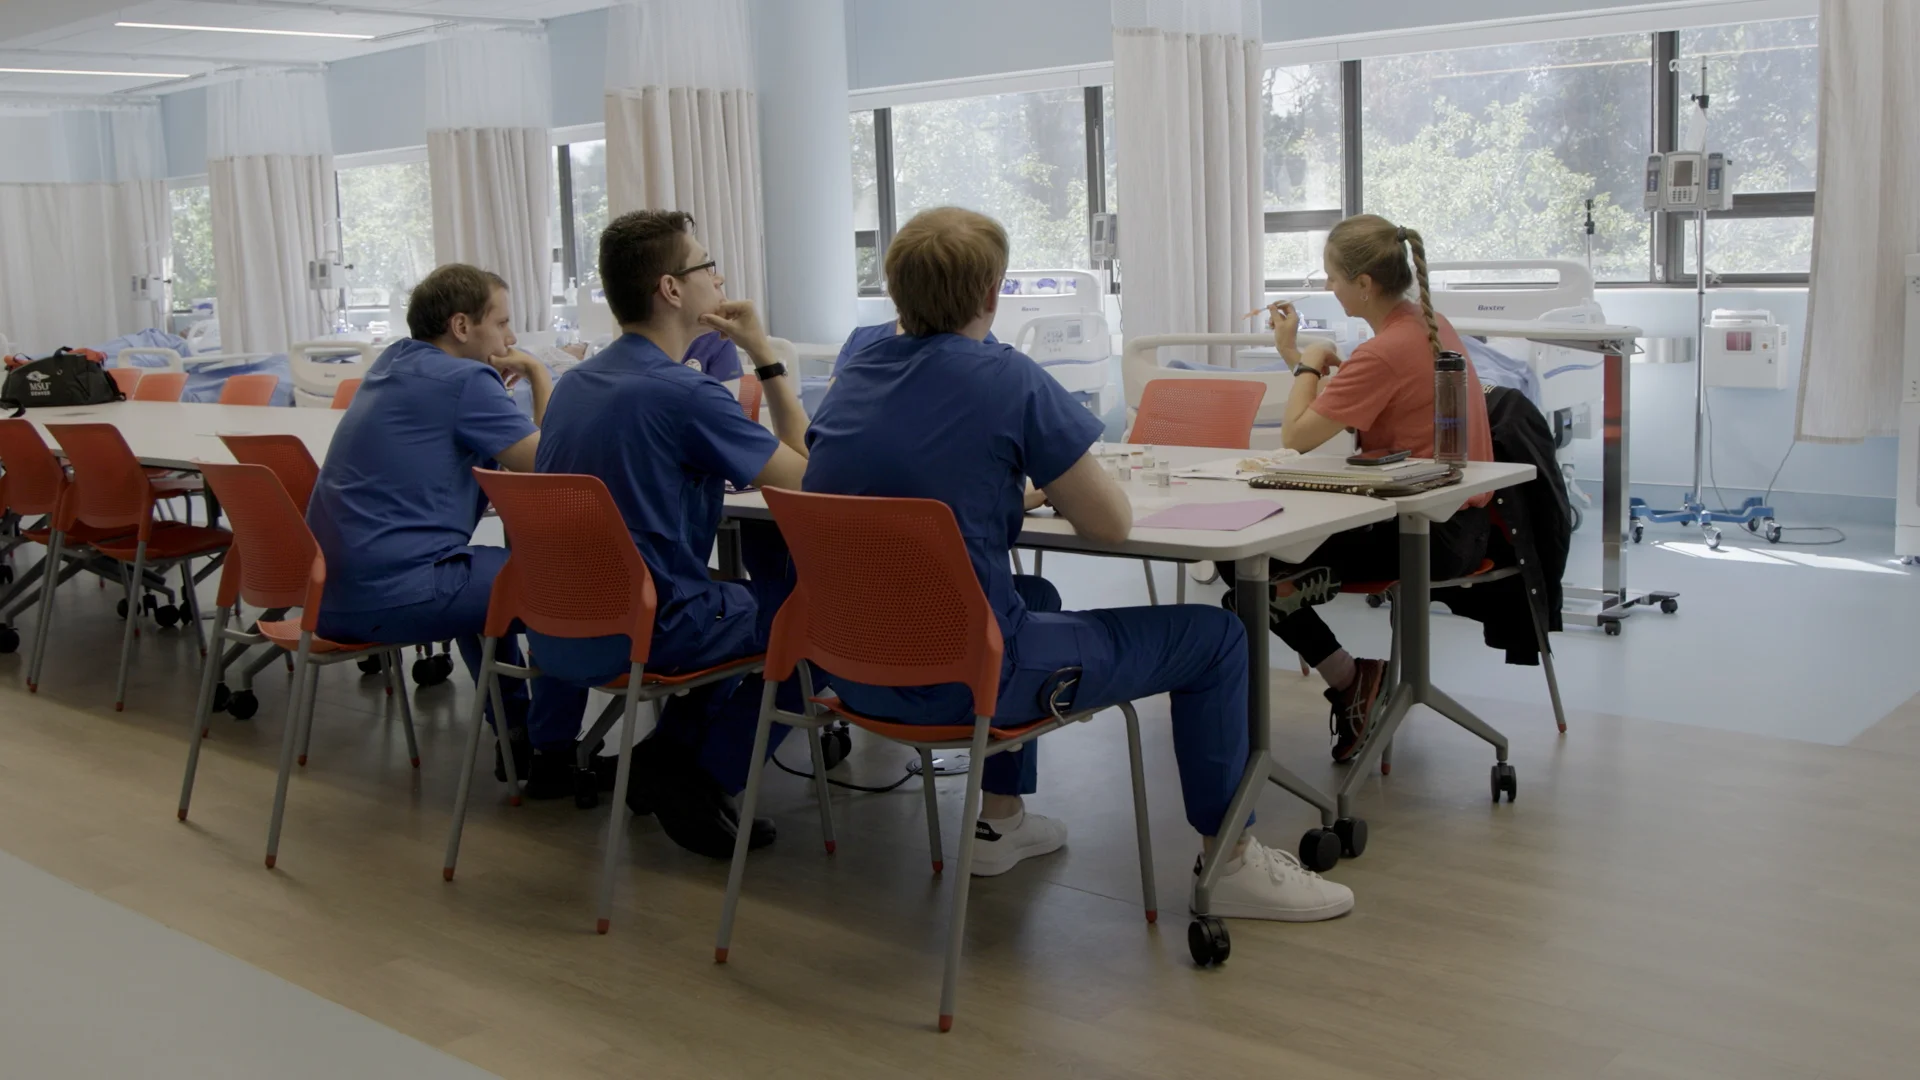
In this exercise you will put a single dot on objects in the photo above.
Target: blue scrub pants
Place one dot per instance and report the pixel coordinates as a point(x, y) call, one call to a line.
point(716, 721)
point(1197, 654)
point(462, 584)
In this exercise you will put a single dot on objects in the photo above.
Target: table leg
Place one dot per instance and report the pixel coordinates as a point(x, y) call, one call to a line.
point(1412, 628)
point(1250, 601)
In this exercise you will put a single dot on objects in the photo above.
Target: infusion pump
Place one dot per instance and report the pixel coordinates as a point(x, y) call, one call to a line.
point(1688, 180)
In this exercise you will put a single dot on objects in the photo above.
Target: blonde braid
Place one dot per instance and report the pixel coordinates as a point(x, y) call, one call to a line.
point(1419, 251)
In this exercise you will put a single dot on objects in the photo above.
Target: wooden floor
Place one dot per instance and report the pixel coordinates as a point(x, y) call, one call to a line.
point(1662, 901)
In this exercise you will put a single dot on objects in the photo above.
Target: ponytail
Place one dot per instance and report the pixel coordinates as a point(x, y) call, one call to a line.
point(1419, 252)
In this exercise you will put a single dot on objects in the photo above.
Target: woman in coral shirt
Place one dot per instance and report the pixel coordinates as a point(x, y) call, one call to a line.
point(1384, 393)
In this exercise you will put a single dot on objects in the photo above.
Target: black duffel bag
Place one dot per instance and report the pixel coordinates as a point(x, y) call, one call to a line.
point(65, 378)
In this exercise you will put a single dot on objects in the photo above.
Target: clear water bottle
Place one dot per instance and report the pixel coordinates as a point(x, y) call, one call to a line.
point(1450, 408)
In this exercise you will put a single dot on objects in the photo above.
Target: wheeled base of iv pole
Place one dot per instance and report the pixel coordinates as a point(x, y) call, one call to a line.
point(1755, 514)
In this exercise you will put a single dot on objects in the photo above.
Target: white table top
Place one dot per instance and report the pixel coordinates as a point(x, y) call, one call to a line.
point(175, 435)
point(1309, 518)
point(1547, 332)
point(178, 435)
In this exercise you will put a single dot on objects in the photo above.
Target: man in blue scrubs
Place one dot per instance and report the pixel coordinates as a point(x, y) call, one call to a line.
point(936, 412)
point(714, 354)
point(864, 336)
point(396, 503)
point(667, 438)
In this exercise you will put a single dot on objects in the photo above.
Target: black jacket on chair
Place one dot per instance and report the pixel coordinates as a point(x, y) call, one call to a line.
point(1534, 528)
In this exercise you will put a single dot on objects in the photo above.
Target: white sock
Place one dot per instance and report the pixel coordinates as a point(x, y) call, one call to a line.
point(1003, 826)
point(1337, 669)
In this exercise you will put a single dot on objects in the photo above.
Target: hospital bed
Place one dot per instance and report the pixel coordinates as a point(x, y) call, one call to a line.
point(1058, 317)
point(319, 367)
point(1561, 292)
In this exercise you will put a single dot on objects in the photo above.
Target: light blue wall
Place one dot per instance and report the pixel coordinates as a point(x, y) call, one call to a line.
point(183, 120)
point(578, 44)
point(910, 41)
point(378, 101)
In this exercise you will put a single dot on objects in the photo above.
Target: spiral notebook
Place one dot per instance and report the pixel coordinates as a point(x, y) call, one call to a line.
point(1374, 486)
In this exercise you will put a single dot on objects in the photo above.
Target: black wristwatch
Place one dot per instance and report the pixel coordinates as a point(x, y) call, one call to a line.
point(1303, 366)
point(771, 371)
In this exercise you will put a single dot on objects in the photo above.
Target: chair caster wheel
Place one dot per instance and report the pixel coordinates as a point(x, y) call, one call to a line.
point(1375, 600)
point(1639, 533)
point(9, 639)
point(371, 665)
point(1505, 781)
point(166, 615)
point(1668, 607)
point(1320, 850)
point(222, 698)
point(1773, 532)
point(120, 608)
point(242, 705)
point(1208, 941)
point(1353, 837)
point(432, 670)
point(1612, 628)
point(836, 743)
point(586, 789)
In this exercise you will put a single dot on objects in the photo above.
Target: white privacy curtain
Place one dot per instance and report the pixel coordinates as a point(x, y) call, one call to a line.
point(1186, 85)
point(270, 180)
point(83, 212)
point(1866, 219)
point(489, 155)
point(682, 126)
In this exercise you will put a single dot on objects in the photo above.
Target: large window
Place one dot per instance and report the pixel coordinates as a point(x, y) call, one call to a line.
point(192, 214)
point(1023, 159)
point(1020, 158)
point(1303, 180)
point(1762, 85)
point(386, 229)
point(587, 167)
point(1495, 153)
point(866, 202)
point(1492, 153)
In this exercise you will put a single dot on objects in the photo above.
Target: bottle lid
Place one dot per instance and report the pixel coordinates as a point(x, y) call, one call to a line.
point(1450, 361)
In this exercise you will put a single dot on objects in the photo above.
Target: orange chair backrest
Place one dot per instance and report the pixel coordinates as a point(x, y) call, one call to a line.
point(750, 395)
point(286, 455)
point(574, 571)
point(126, 378)
point(34, 480)
point(160, 386)
point(110, 488)
point(1198, 412)
point(885, 595)
point(249, 389)
point(343, 392)
point(274, 562)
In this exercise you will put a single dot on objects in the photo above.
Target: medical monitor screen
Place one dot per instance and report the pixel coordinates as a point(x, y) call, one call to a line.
point(1683, 173)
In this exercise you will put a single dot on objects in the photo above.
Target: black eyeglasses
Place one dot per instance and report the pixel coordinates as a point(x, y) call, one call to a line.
point(708, 265)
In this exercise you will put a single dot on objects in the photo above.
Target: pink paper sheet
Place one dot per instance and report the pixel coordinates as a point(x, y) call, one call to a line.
point(1221, 517)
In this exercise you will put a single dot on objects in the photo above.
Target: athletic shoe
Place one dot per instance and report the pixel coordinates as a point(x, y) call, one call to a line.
point(1353, 708)
point(996, 852)
point(1271, 884)
point(693, 809)
point(1306, 588)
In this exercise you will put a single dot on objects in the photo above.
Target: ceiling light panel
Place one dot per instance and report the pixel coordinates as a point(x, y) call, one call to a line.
point(246, 30)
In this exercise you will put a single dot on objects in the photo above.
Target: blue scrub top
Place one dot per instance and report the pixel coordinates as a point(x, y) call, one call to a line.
point(665, 439)
point(714, 354)
point(962, 421)
point(397, 494)
point(864, 336)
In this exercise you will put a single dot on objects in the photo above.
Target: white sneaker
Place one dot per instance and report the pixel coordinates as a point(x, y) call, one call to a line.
point(998, 850)
point(1271, 884)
